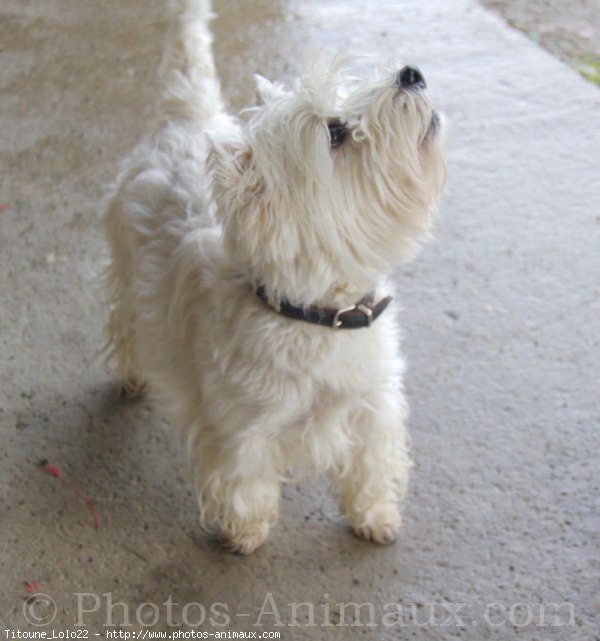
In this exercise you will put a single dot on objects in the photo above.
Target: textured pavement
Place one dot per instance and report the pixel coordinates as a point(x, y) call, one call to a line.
point(501, 321)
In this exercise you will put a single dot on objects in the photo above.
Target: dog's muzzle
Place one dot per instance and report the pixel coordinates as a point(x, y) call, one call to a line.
point(410, 78)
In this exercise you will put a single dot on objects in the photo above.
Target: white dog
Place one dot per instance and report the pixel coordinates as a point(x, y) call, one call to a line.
point(248, 273)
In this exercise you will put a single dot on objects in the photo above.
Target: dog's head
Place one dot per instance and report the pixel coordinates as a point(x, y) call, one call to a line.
point(332, 183)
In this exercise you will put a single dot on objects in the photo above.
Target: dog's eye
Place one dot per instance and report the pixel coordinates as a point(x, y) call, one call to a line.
point(337, 133)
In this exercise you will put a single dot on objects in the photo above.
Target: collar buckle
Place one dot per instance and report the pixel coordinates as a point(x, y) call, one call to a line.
point(367, 311)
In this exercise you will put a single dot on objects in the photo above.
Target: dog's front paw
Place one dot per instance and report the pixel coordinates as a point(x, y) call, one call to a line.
point(133, 388)
point(379, 524)
point(247, 539)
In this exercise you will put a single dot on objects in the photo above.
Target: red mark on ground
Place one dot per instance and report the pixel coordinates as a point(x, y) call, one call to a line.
point(4, 206)
point(90, 503)
point(32, 586)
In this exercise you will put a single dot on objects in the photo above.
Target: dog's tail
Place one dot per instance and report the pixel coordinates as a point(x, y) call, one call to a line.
point(191, 89)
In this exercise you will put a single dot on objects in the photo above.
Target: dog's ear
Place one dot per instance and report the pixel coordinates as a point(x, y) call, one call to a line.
point(228, 159)
point(233, 173)
point(266, 91)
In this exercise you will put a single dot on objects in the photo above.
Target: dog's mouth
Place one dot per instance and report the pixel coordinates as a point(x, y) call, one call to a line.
point(433, 128)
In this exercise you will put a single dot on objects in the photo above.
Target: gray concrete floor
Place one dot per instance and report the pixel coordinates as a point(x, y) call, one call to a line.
point(569, 30)
point(501, 331)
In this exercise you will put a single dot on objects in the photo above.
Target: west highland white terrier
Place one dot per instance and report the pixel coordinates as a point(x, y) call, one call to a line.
point(247, 279)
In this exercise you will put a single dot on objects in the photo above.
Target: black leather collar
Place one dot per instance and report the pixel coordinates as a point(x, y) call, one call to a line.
point(361, 314)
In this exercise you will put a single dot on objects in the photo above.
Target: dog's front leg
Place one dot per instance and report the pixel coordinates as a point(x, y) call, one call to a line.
point(237, 486)
point(254, 510)
point(372, 480)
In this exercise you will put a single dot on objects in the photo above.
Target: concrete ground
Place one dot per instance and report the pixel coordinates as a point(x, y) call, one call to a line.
point(569, 30)
point(501, 332)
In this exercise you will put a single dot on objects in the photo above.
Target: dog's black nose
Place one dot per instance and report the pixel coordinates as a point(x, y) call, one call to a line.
point(411, 77)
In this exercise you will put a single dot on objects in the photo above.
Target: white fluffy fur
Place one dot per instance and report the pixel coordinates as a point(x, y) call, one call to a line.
point(208, 208)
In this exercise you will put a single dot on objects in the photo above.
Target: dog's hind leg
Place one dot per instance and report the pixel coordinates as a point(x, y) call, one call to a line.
point(119, 330)
point(120, 346)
